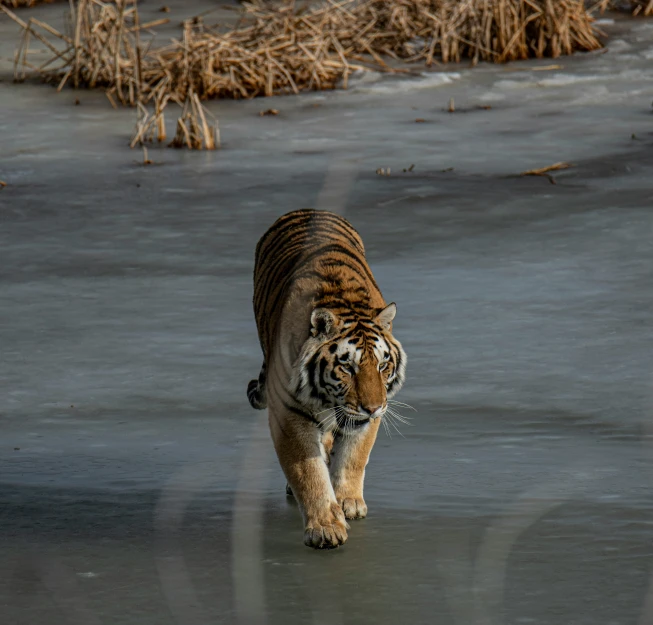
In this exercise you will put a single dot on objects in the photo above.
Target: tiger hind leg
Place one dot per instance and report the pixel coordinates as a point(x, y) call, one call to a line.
point(256, 391)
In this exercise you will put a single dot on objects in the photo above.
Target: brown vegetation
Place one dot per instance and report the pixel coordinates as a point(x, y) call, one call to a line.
point(285, 48)
point(636, 7)
point(288, 48)
point(17, 4)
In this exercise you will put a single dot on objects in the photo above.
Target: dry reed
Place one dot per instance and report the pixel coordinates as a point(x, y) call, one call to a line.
point(194, 130)
point(544, 171)
point(288, 49)
point(149, 125)
point(488, 30)
point(636, 7)
point(18, 4)
point(197, 128)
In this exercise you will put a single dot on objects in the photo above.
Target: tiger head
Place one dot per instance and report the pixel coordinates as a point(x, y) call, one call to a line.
point(352, 362)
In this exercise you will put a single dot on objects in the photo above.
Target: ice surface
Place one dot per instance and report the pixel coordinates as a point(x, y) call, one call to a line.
point(136, 484)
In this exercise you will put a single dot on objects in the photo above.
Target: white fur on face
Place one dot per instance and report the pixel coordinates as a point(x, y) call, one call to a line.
point(346, 355)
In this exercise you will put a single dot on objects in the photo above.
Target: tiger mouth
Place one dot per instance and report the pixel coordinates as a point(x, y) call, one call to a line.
point(365, 415)
point(346, 422)
point(355, 419)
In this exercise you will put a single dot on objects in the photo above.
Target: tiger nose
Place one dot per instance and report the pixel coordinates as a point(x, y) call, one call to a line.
point(370, 409)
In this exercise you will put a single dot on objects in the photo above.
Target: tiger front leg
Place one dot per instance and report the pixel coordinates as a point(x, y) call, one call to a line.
point(301, 454)
point(351, 453)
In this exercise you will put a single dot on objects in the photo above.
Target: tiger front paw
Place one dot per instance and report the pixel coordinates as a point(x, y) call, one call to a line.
point(327, 530)
point(354, 507)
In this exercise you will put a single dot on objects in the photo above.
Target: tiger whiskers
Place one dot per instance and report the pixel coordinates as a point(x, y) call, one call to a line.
point(334, 420)
point(393, 424)
point(346, 422)
point(391, 418)
point(331, 419)
point(341, 418)
point(398, 417)
point(400, 403)
point(385, 427)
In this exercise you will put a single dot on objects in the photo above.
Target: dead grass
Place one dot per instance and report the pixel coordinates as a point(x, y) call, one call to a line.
point(636, 7)
point(288, 48)
point(544, 171)
point(197, 129)
point(151, 124)
point(489, 30)
point(283, 49)
point(18, 4)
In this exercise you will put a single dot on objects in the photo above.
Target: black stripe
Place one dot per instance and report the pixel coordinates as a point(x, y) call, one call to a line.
point(323, 366)
point(397, 364)
point(297, 232)
point(293, 247)
point(361, 262)
point(304, 221)
point(313, 215)
point(272, 280)
point(268, 282)
point(287, 262)
point(281, 263)
point(309, 229)
point(281, 223)
point(301, 413)
point(332, 248)
point(348, 230)
point(312, 366)
point(331, 386)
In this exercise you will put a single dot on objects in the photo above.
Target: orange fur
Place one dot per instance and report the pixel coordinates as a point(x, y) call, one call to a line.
point(330, 363)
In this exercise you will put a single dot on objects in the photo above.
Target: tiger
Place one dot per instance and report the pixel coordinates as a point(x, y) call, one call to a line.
point(330, 364)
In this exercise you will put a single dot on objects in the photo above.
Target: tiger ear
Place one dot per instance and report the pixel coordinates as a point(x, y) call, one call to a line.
point(386, 315)
point(323, 322)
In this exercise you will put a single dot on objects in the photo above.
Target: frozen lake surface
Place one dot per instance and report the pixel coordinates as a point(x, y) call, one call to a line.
point(137, 486)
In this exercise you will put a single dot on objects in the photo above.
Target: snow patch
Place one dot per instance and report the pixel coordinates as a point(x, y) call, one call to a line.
point(593, 95)
point(561, 80)
point(377, 83)
point(557, 80)
point(619, 45)
point(508, 85)
point(492, 97)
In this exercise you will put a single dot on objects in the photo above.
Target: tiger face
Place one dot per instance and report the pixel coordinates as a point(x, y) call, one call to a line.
point(352, 363)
